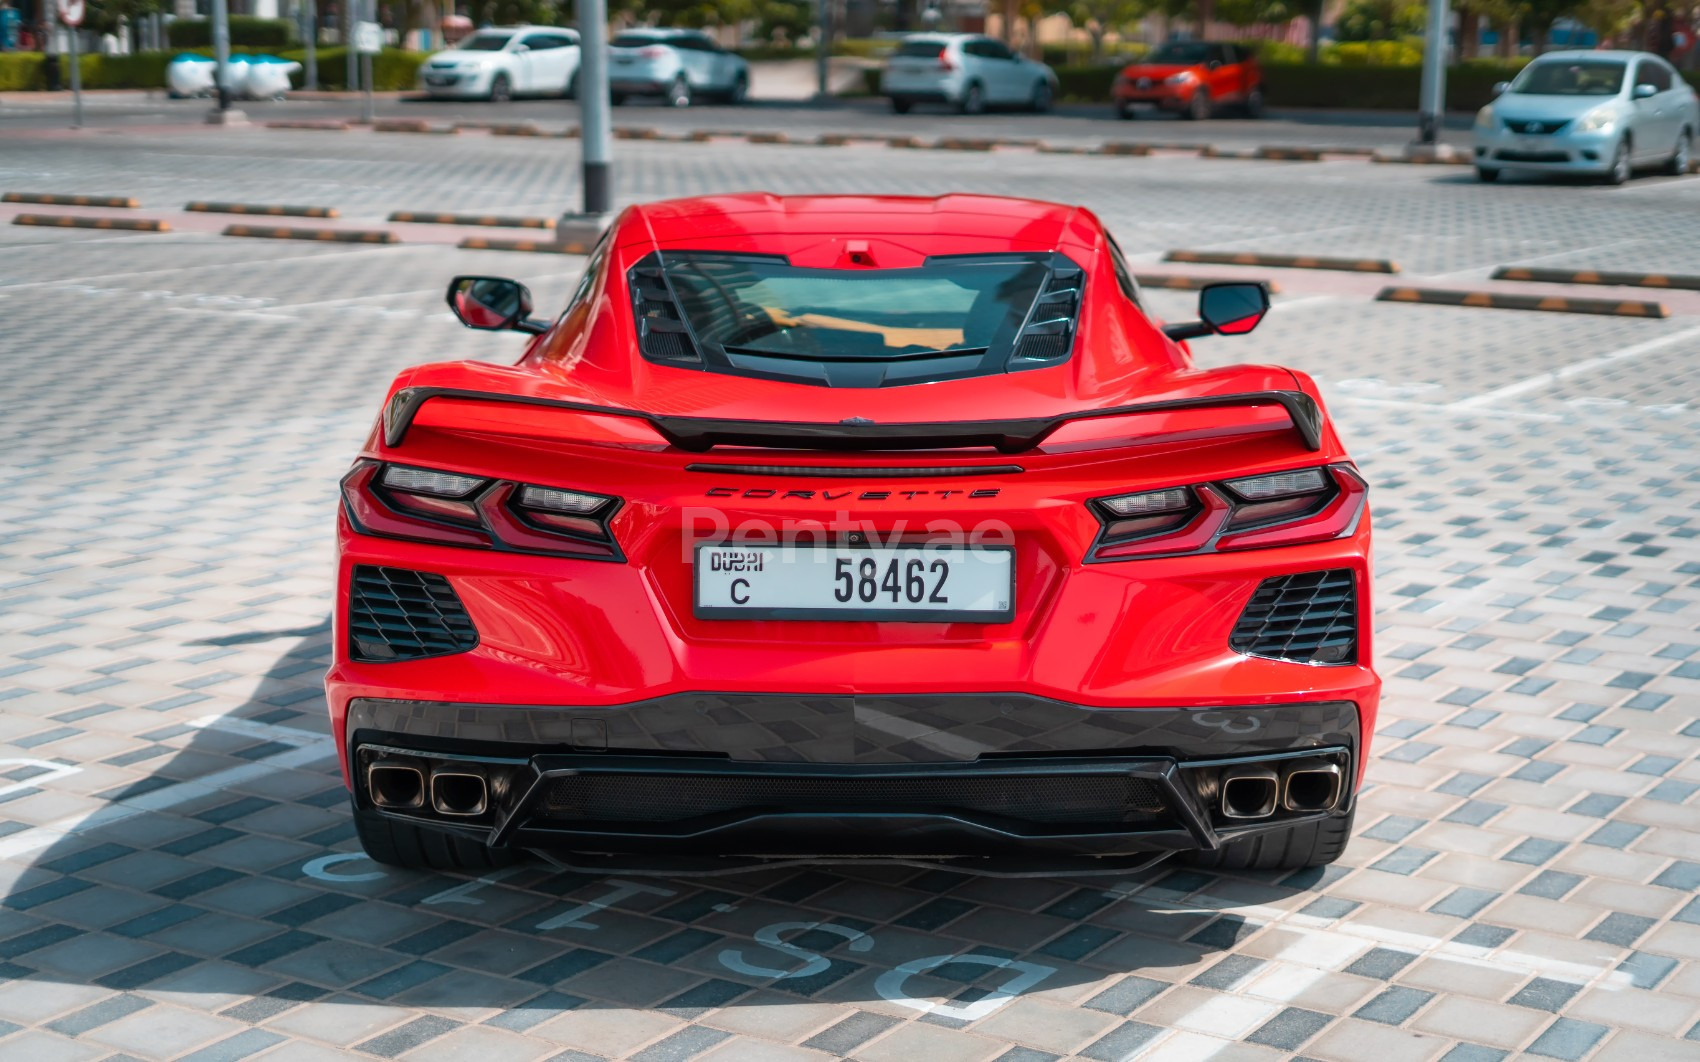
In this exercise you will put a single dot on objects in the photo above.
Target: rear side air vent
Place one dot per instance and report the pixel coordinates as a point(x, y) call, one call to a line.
point(397, 614)
point(1048, 335)
point(1309, 618)
point(662, 332)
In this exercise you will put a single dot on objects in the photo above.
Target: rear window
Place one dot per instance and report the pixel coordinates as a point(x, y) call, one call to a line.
point(952, 317)
point(637, 40)
point(1569, 77)
point(920, 49)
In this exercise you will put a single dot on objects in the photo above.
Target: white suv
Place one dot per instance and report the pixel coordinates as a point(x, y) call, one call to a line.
point(499, 64)
point(677, 65)
point(966, 71)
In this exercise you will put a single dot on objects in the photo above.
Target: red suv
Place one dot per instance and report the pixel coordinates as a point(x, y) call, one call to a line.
point(1192, 78)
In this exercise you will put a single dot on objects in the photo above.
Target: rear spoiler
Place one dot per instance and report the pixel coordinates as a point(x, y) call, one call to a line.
point(1007, 436)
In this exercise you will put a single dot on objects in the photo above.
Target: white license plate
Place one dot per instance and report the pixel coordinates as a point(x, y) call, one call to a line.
point(915, 584)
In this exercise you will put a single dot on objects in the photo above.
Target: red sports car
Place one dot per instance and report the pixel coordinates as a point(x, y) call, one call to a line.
point(853, 527)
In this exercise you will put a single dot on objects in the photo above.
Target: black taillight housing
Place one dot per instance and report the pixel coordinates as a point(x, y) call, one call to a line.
point(1273, 509)
point(454, 509)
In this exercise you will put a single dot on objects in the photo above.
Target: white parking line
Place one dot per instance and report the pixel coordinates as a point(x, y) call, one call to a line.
point(1547, 379)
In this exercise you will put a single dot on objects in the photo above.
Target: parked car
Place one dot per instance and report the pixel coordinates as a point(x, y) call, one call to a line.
point(965, 71)
point(677, 65)
point(1192, 79)
point(1601, 113)
point(821, 527)
point(499, 64)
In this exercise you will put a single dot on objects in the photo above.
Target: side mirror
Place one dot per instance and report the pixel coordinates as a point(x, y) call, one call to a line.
point(518, 48)
point(1230, 309)
point(492, 304)
point(1213, 64)
point(1644, 91)
point(1500, 88)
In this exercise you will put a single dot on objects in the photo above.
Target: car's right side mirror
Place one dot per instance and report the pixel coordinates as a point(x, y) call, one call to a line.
point(1500, 88)
point(1230, 309)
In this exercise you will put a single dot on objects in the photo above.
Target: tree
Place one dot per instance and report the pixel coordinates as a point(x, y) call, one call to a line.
point(107, 16)
point(1381, 20)
point(1102, 17)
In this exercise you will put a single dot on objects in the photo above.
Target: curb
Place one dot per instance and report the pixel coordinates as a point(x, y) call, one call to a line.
point(486, 220)
point(307, 123)
point(323, 235)
point(1598, 276)
point(201, 207)
point(412, 125)
point(1502, 301)
point(1284, 261)
point(480, 243)
point(1172, 282)
point(70, 221)
point(48, 199)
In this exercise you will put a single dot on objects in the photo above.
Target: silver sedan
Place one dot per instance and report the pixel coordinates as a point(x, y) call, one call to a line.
point(1603, 113)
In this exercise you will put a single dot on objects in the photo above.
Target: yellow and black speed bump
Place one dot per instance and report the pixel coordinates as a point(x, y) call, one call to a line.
point(962, 143)
point(1601, 277)
point(766, 138)
point(1495, 300)
point(1290, 154)
point(907, 142)
point(628, 133)
point(266, 232)
point(480, 243)
point(410, 125)
point(1171, 282)
point(309, 123)
point(268, 209)
point(1284, 261)
point(832, 140)
point(47, 199)
point(1123, 147)
point(515, 129)
point(493, 221)
point(71, 221)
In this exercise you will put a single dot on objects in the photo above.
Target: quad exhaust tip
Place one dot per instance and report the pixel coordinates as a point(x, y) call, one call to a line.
point(1311, 786)
point(460, 794)
point(1250, 792)
point(396, 785)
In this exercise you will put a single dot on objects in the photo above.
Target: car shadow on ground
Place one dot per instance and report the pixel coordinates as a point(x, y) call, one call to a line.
point(228, 873)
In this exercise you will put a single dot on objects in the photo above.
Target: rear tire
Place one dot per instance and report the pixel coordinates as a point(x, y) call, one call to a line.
point(1310, 844)
point(1126, 112)
point(395, 843)
point(1041, 100)
point(1254, 103)
point(739, 90)
point(571, 91)
point(679, 95)
point(973, 99)
point(615, 99)
point(1198, 108)
point(1486, 176)
point(901, 106)
point(1679, 156)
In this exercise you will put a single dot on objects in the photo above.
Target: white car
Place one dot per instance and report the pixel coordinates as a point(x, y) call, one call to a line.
point(677, 65)
point(966, 71)
point(499, 64)
point(1606, 114)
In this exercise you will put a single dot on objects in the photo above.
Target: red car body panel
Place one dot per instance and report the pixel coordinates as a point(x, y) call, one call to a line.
point(1227, 83)
point(1124, 635)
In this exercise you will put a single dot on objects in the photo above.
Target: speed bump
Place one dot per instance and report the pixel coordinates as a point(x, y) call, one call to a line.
point(480, 243)
point(766, 138)
point(284, 232)
point(515, 129)
point(273, 210)
point(70, 221)
point(332, 125)
point(410, 125)
point(48, 199)
point(1284, 261)
point(1598, 276)
point(494, 221)
point(1290, 154)
point(962, 143)
point(1494, 300)
point(1173, 282)
point(1123, 147)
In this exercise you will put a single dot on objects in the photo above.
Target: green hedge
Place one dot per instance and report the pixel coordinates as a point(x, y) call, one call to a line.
point(393, 70)
point(21, 71)
point(245, 31)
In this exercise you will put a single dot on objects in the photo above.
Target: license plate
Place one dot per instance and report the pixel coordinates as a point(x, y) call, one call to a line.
point(914, 584)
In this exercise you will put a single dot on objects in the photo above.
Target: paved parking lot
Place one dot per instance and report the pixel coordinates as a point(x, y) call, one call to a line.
point(177, 867)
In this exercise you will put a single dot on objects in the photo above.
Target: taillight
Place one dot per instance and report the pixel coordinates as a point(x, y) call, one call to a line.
point(945, 61)
point(654, 51)
point(1278, 509)
point(451, 509)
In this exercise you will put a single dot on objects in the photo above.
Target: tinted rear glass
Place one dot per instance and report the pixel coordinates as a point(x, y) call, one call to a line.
point(637, 40)
point(1188, 52)
point(1586, 77)
point(920, 49)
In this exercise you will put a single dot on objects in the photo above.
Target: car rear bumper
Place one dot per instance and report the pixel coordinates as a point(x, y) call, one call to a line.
point(640, 86)
point(964, 776)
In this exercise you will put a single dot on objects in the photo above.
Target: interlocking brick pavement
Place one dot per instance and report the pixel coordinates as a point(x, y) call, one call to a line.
point(177, 867)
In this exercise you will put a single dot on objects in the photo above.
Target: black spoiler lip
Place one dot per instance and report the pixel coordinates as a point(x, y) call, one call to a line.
point(698, 434)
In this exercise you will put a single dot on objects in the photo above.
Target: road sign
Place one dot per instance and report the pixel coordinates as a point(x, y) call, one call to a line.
point(368, 38)
point(70, 11)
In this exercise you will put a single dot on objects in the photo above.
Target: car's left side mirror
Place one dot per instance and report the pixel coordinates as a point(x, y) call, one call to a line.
point(1644, 91)
point(1500, 88)
point(493, 304)
point(1231, 309)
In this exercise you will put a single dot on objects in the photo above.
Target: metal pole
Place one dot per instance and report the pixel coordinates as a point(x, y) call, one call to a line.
point(1432, 109)
point(366, 112)
point(595, 137)
point(349, 13)
point(823, 53)
point(221, 49)
point(310, 12)
point(76, 81)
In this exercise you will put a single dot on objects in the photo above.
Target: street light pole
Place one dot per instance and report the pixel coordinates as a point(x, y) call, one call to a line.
point(310, 36)
point(221, 50)
point(1432, 108)
point(595, 136)
point(823, 53)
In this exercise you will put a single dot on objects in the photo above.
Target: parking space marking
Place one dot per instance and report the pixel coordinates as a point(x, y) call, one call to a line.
point(1577, 368)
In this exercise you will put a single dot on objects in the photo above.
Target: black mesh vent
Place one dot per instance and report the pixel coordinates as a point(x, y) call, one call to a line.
point(1311, 618)
point(1042, 348)
point(1049, 334)
point(1063, 798)
point(662, 333)
point(396, 614)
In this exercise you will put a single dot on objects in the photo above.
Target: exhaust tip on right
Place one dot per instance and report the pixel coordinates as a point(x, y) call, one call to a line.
point(1311, 787)
point(459, 794)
